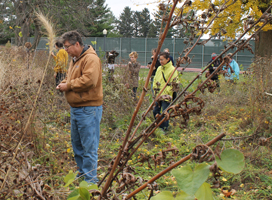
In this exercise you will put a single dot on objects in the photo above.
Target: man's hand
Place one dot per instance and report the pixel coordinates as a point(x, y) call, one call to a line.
point(52, 54)
point(55, 75)
point(62, 87)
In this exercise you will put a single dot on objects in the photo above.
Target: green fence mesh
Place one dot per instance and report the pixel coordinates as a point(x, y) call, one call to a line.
point(143, 46)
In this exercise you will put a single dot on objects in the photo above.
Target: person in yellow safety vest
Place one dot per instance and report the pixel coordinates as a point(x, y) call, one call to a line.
point(61, 59)
point(162, 75)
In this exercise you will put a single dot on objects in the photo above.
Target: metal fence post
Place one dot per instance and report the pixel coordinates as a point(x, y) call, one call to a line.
point(120, 50)
point(145, 49)
point(203, 53)
point(174, 48)
point(236, 55)
point(95, 43)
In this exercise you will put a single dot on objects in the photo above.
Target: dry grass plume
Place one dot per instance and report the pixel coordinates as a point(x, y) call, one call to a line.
point(50, 31)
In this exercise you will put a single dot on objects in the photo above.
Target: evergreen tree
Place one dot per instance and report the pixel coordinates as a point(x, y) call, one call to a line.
point(100, 15)
point(89, 17)
point(137, 23)
point(145, 22)
point(153, 30)
point(126, 23)
point(158, 15)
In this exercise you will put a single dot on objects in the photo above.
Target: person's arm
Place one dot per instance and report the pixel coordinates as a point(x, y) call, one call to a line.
point(115, 54)
point(236, 69)
point(157, 78)
point(53, 55)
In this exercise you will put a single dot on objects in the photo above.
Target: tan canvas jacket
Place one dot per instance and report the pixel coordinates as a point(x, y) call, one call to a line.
point(84, 80)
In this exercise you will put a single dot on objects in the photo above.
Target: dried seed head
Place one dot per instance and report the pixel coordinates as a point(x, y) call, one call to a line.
point(162, 6)
point(165, 18)
point(204, 16)
point(223, 31)
point(188, 3)
point(250, 21)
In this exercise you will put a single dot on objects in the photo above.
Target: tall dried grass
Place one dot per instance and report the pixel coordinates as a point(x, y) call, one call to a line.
point(51, 39)
point(2, 72)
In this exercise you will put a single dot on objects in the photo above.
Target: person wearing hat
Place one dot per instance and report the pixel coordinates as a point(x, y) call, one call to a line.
point(232, 69)
point(213, 66)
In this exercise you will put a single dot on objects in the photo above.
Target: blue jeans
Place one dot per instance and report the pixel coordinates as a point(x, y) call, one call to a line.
point(85, 133)
point(157, 110)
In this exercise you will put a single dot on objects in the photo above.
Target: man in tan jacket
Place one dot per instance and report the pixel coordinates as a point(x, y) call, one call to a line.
point(84, 92)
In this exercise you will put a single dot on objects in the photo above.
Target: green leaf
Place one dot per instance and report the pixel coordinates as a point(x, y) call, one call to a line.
point(20, 34)
point(69, 178)
point(204, 192)
point(88, 186)
point(188, 180)
point(74, 195)
point(84, 193)
point(163, 196)
point(183, 196)
point(92, 187)
point(83, 184)
point(232, 161)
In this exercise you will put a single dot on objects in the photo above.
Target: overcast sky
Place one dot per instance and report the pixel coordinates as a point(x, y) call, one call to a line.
point(117, 6)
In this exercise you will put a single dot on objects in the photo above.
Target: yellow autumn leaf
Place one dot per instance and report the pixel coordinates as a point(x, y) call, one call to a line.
point(10, 27)
point(68, 150)
point(224, 179)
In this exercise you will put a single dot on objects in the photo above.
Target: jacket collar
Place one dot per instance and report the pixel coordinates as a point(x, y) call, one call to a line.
point(167, 65)
point(85, 48)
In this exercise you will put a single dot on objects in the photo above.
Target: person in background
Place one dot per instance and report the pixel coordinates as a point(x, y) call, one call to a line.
point(133, 72)
point(110, 63)
point(213, 67)
point(157, 64)
point(232, 69)
point(61, 59)
point(84, 92)
point(171, 58)
point(162, 75)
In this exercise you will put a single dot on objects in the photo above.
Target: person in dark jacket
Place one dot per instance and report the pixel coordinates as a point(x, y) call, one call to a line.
point(171, 58)
point(133, 70)
point(110, 63)
point(212, 67)
point(157, 64)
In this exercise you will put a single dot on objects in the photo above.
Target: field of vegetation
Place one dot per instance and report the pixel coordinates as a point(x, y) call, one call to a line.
point(43, 151)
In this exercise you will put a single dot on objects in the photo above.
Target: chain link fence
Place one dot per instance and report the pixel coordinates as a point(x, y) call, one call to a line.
point(143, 46)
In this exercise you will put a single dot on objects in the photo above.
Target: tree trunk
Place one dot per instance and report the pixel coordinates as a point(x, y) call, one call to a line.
point(263, 45)
point(22, 11)
point(37, 34)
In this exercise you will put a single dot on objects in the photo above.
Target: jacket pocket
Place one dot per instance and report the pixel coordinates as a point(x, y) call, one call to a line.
point(73, 97)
